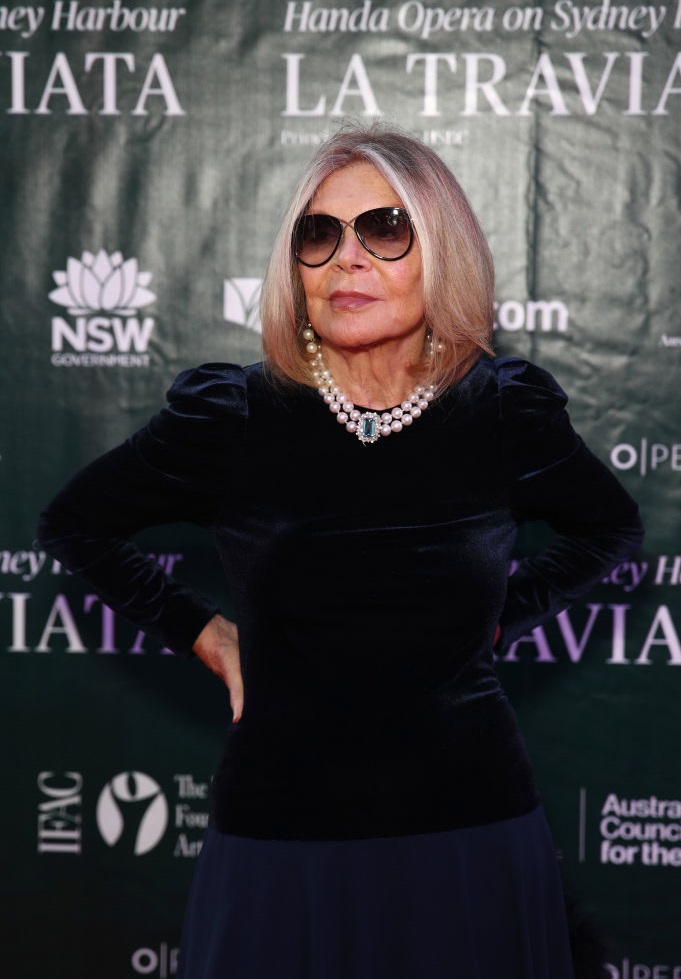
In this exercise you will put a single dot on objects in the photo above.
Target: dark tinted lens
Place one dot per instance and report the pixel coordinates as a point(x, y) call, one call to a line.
point(385, 231)
point(316, 238)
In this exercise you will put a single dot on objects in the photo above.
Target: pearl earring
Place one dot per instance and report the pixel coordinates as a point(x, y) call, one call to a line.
point(431, 345)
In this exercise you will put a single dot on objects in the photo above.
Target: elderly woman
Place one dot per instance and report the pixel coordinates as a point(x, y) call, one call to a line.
point(374, 814)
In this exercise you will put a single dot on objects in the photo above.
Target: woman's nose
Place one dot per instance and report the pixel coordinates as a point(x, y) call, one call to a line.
point(351, 251)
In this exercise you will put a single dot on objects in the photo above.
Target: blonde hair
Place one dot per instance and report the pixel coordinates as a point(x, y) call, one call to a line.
point(457, 268)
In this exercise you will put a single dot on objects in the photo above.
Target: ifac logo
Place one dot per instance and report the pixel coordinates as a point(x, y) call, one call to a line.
point(132, 812)
point(104, 295)
point(240, 302)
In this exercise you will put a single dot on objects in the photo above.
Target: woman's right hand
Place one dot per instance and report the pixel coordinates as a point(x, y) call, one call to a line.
point(217, 645)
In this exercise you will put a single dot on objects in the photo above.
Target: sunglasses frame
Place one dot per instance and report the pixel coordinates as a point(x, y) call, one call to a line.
point(342, 225)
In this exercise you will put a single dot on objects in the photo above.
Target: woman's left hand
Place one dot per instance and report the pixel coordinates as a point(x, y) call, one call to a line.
point(217, 645)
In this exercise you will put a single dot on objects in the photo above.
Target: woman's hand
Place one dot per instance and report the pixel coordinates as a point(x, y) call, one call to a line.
point(217, 645)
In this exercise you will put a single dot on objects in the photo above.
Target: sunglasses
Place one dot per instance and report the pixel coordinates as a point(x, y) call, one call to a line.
point(385, 232)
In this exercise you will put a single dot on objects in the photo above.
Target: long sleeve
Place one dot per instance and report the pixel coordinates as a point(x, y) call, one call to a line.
point(177, 468)
point(555, 478)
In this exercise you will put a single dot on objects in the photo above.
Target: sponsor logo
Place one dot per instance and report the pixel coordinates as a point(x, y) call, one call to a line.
point(59, 812)
point(102, 282)
point(646, 457)
point(534, 315)
point(120, 799)
point(240, 302)
point(104, 295)
point(133, 813)
point(644, 831)
point(242, 295)
point(161, 962)
point(628, 969)
point(444, 137)
point(670, 340)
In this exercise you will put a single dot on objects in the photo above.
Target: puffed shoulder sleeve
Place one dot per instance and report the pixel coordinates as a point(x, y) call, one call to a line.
point(553, 477)
point(178, 467)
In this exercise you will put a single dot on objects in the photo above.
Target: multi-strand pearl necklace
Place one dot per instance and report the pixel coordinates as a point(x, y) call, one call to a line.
point(368, 426)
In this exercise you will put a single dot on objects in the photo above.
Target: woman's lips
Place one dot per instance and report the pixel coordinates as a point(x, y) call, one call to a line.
point(350, 300)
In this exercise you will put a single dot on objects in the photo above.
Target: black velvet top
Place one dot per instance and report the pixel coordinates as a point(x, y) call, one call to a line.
point(367, 581)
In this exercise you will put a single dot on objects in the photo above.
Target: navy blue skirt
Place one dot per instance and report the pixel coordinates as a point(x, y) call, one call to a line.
point(484, 902)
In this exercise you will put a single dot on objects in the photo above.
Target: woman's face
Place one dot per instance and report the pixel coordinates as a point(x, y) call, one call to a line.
point(355, 300)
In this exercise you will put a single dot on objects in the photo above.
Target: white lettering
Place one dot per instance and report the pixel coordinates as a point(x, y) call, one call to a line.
point(487, 87)
point(669, 89)
point(62, 70)
point(18, 602)
point(522, 19)
point(109, 76)
point(101, 334)
point(674, 571)
point(544, 69)
point(430, 65)
point(628, 575)
point(634, 108)
point(24, 21)
point(61, 82)
point(363, 90)
point(293, 90)
point(573, 646)
point(58, 828)
point(573, 19)
point(545, 315)
point(416, 17)
point(619, 632)
point(70, 16)
point(590, 101)
point(669, 638)
point(158, 70)
point(26, 564)
point(61, 613)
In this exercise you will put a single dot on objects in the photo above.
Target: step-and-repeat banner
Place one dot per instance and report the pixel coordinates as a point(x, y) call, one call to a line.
point(146, 151)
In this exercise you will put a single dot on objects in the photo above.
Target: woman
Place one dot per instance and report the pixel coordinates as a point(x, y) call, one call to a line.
point(374, 814)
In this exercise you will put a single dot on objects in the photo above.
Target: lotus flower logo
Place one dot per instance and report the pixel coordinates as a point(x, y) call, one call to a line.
point(102, 282)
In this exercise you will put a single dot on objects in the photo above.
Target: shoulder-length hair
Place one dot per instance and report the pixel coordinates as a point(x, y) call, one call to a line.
point(457, 268)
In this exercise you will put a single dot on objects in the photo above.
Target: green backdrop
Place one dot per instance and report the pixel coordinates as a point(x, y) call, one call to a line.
point(145, 153)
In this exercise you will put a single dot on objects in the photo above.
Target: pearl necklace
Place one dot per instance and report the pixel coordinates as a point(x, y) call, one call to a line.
point(368, 426)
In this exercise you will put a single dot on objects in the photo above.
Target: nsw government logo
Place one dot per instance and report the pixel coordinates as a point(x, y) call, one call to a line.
point(132, 811)
point(103, 295)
